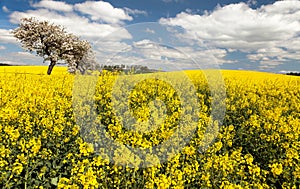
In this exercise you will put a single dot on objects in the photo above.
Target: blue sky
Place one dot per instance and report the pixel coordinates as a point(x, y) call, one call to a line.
point(170, 34)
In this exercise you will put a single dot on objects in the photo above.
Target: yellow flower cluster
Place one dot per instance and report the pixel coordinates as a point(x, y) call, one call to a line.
point(43, 146)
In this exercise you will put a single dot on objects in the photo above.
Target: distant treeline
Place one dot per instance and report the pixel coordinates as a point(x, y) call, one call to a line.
point(3, 64)
point(293, 73)
point(128, 69)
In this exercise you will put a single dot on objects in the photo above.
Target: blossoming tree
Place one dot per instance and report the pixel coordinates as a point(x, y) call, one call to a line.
point(52, 43)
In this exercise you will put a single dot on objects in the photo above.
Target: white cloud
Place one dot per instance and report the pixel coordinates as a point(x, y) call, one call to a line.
point(5, 9)
point(288, 71)
point(148, 30)
point(25, 55)
point(273, 56)
point(236, 23)
point(103, 11)
point(265, 67)
point(263, 32)
point(206, 56)
point(7, 37)
point(287, 7)
point(135, 11)
point(180, 57)
point(53, 5)
point(2, 47)
point(9, 62)
point(251, 2)
point(292, 44)
point(111, 46)
point(21, 58)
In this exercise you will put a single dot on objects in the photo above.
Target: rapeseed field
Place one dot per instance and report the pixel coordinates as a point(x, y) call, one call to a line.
point(43, 144)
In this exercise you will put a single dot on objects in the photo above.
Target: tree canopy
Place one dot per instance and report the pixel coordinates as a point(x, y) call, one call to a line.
point(52, 43)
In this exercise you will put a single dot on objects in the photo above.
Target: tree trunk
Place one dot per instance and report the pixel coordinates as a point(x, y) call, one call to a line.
point(50, 67)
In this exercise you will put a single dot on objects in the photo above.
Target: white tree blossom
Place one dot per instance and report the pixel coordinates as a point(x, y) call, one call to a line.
point(52, 43)
point(88, 62)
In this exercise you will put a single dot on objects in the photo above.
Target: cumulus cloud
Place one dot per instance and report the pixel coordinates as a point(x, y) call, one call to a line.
point(5, 9)
point(25, 55)
point(251, 2)
point(288, 71)
point(53, 5)
point(236, 23)
point(148, 30)
point(285, 8)
point(18, 58)
point(9, 62)
point(106, 50)
point(6, 36)
point(263, 32)
point(159, 56)
point(274, 55)
point(207, 56)
point(103, 11)
point(181, 56)
point(135, 11)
